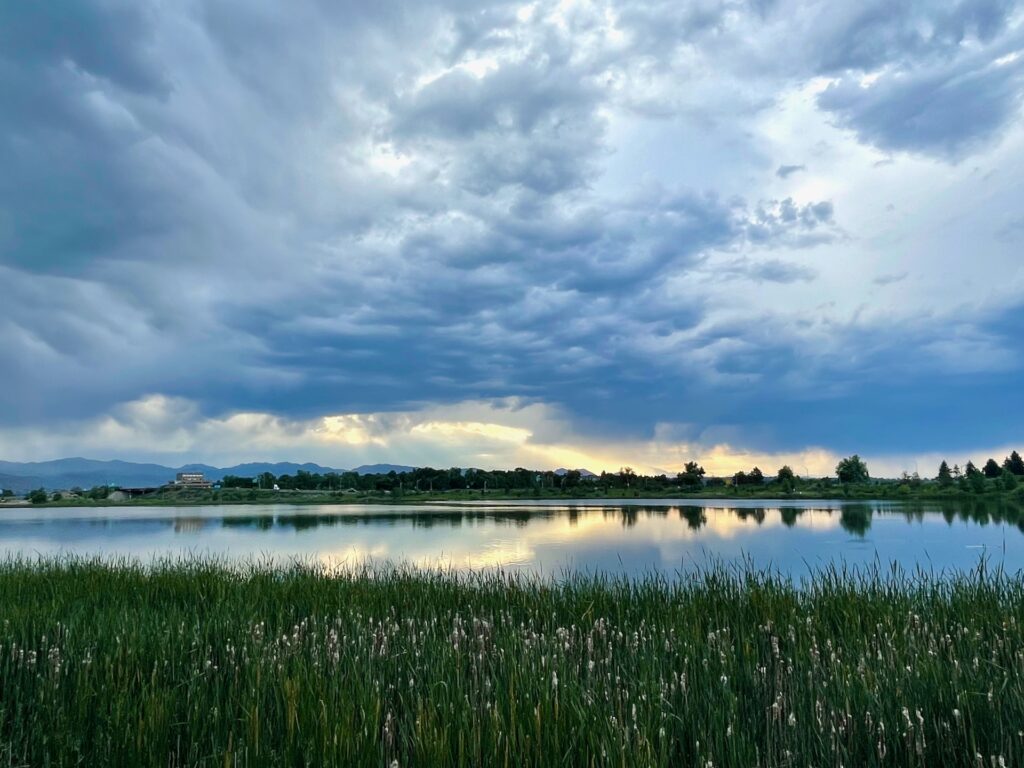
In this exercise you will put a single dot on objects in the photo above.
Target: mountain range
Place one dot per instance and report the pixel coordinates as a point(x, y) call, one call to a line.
point(583, 472)
point(21, 477)
point(58, 474)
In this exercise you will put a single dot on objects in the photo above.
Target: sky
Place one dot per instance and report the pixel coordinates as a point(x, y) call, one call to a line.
point(492, 234)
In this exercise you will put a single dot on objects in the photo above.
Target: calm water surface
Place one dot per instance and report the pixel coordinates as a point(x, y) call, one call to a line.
point(621, 537)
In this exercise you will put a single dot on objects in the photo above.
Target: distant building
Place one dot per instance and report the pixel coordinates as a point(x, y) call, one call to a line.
point(130, 493)
point(192, 480)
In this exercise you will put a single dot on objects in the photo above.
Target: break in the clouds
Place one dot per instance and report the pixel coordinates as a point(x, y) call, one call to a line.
point(757, 228)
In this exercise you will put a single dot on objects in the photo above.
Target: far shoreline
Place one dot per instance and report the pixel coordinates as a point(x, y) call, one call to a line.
point(231, 497)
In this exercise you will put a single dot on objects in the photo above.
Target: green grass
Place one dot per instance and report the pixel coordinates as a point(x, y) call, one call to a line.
point(881, 491)
point(198, 664)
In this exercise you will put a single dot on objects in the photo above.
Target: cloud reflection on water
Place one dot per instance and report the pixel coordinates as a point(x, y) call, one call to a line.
point(544, 538)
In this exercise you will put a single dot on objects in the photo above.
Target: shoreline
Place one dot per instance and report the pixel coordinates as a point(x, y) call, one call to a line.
point(300, 498)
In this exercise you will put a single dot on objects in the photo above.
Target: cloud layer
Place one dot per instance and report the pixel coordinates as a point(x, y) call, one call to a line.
point(778, 226)
point(497, 434)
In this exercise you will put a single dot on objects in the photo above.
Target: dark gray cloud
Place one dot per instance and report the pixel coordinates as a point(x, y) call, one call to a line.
point(109, 41)
point(874, 34)
point(804, 37)
point(938, 89)
point(945, 111)
point(327, 207)
point(60, 201)
point(808, 224)
point(767, 270)
point(785, 171)
point(889, 279)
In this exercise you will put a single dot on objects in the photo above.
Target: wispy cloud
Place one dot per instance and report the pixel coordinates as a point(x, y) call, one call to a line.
point(785, 171)
point(889, 279)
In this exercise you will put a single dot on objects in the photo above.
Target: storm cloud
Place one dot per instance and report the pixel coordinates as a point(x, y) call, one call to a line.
point(341, 208)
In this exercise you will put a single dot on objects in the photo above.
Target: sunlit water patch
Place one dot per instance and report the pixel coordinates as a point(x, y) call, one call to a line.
point(620, 537)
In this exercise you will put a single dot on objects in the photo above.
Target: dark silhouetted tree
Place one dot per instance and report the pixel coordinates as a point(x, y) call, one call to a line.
point(991, 469)
point(692, 474)
point(753, 477)
point(785, 479)
point(1014, 464)
point(970, 470)
point(38, 496)
point(945, 477)
point(852, 470)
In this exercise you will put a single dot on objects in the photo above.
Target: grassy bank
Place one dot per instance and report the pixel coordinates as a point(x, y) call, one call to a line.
point(874, 492)
point(191, 664)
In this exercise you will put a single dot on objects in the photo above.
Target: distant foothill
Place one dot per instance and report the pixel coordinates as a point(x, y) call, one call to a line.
point(851, 479)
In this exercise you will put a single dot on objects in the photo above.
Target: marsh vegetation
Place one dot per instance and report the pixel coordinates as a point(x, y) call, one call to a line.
point(197, 663)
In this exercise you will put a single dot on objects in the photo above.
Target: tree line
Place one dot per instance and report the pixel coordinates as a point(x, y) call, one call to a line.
point(851, 471)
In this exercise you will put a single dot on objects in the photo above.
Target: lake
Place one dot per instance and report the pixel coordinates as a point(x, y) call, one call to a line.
point(629, 537)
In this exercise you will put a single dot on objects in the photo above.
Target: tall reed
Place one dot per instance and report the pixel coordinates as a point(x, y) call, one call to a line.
point(201, 663)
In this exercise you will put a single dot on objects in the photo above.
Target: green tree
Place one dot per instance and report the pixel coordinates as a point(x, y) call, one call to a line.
point(945, 477)
point(970, 470)
point(852, 470)
point(7, 493)
point(1014, 464)
point(1008, 481)
point(991, 469)
point(456, 480)
point(786, 479)
point(692, 474)
point(977, 482)
point(38, 496)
